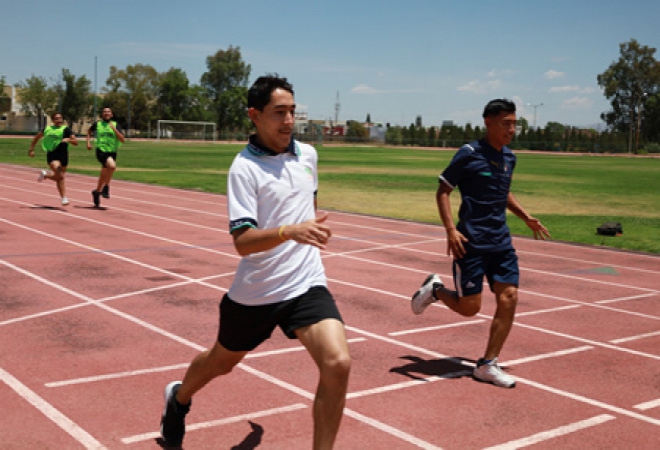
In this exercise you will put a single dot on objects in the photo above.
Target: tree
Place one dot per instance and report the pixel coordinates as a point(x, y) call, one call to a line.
point(356, 132)
point(627, 83)
point(173, 97)
point(74, 98)
point(368, 121)
point(37, 99)
point(523, 124)
point(225, 83)
point(131, 93)
point(5, 101)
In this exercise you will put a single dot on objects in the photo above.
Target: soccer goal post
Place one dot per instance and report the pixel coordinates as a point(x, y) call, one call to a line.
point(184, 130)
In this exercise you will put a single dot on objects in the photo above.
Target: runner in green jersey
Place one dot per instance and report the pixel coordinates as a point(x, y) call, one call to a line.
point(56, 140)
point(109, 138)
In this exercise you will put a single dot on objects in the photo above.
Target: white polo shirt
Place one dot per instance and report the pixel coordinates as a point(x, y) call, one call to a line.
point(268, 190)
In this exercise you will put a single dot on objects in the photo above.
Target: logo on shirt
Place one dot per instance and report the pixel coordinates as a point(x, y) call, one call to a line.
point(310, 174)
point(486, 174)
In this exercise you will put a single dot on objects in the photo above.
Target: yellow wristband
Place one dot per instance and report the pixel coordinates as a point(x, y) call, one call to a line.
point(281, 233)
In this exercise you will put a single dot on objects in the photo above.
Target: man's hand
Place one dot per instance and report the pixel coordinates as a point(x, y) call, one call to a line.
point(540, 232)
point(31, 153)
point(312, 232)
point(455, 240)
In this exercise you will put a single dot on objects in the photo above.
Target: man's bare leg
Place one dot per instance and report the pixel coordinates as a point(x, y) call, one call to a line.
point(326, 342)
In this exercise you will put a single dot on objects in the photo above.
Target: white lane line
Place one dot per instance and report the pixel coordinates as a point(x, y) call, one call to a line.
point(623, 299)
point(547, 310)
point(48, 410)
point(435, 328)
point(216, 423)
point(590, 401)
point(107, 308)
point(648, 405)
point(635, 338)
point(548, 355)
point(132, 373)
point(550, 434)
point(115, 255)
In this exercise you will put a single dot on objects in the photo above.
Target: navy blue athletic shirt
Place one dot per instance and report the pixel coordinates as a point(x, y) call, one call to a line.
point(483, 177)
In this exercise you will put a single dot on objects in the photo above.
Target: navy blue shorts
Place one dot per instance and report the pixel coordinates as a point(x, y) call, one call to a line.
point(499, 267)
point(243, 328)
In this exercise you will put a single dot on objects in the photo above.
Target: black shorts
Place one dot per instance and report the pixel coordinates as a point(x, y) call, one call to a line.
point(243, 328)
point(102, 157)
point(60, 154)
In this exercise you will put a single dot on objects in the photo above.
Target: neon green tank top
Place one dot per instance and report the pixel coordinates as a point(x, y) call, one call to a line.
point(106, 139)
point(52, 137)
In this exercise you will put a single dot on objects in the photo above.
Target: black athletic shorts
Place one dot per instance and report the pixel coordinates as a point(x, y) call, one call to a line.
point(243, 328)
point(61, 154)
point(102, 157)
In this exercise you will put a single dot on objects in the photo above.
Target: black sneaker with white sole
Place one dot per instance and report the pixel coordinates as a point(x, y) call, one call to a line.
point(96, 196)
point(173, 420)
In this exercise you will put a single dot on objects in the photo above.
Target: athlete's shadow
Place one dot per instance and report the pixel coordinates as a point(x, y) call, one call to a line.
point(420, 369)
point(251, 441)
point(50, 208)
point(92, 207)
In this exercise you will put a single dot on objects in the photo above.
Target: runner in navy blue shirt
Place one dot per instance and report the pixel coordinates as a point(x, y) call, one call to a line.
point(481, 243)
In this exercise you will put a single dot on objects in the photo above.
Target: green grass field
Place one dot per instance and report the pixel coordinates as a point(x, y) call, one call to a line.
point(571, 194)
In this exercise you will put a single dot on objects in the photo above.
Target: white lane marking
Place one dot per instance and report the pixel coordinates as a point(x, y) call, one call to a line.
point(59, 419)
point(550, 434)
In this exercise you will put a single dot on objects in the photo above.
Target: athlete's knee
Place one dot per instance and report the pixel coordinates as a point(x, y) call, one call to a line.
point(336, 368)
point(508, 298)
point(470, 305)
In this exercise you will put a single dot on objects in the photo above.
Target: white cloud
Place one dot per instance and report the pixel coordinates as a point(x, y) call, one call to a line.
point(577, 103)
point(578, 89)
point(551, 74)
point(475, 86)
point(500, 72)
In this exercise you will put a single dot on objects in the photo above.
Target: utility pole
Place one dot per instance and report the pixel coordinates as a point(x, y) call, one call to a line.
point(535, 106)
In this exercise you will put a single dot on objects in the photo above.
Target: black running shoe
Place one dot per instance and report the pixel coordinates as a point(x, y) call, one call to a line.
point(96, 195)
point(173, 421)
point(105, 193)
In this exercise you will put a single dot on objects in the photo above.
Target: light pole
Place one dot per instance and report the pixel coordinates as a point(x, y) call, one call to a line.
point(535, 106)
point(640, 109)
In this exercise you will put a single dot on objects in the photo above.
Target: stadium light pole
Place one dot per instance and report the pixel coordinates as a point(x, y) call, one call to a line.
point(535, 106)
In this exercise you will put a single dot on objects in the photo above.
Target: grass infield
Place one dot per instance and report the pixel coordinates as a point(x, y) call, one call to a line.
point(571, 194)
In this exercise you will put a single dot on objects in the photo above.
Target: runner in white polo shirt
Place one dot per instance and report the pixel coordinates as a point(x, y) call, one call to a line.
point(280, 280)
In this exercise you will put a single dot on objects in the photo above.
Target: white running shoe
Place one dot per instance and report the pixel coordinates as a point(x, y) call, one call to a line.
point(65, 201)
point(492, 373)
point(42, 175)
point(424, 296)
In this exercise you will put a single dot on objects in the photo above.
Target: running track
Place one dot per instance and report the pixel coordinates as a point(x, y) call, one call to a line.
point(101, 308)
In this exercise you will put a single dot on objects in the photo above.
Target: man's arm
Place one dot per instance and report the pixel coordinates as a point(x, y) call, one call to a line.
point(540, 232)
point(89, 138)
point(118, 133)
point(34, 142)
point(248, 240)
point(455, 238)
point(71, 138)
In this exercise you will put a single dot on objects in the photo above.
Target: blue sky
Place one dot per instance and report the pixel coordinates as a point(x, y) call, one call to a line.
point(395, 60)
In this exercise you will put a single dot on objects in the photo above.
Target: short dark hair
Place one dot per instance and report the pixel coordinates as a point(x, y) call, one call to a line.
point(263, 87)
point(497, 106)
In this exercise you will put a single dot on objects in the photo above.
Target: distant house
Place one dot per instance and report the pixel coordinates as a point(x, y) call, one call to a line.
point(11, 117)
